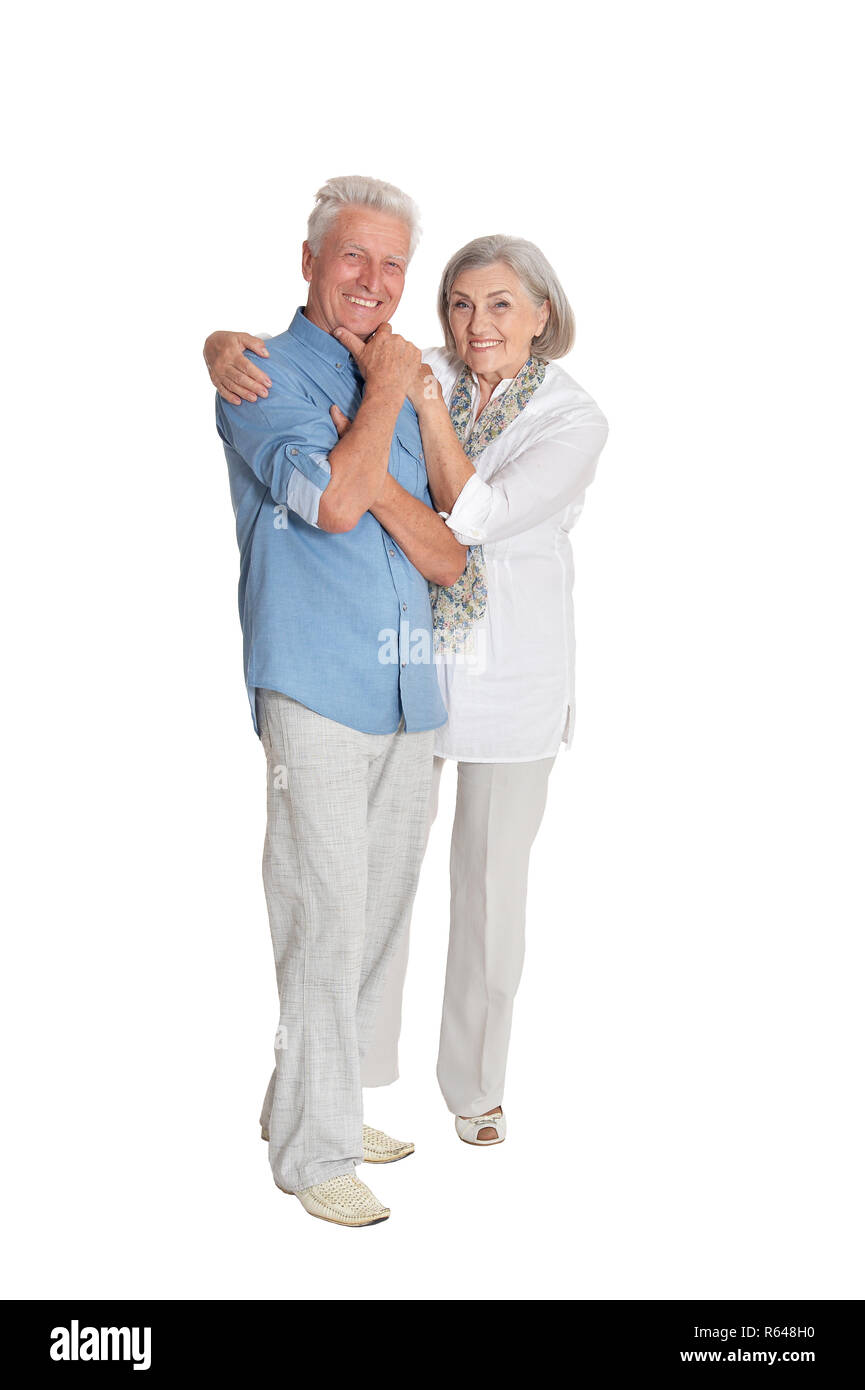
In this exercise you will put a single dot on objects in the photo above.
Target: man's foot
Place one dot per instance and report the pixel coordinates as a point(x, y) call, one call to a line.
point(472, 1130)
point(378, 1147)
point(345, 1201)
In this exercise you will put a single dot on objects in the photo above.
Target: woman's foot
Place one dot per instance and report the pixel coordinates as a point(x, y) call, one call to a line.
point(472, 1129)
point(490, 1132)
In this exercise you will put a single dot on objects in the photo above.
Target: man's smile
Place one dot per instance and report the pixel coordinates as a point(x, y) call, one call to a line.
point(363, 303)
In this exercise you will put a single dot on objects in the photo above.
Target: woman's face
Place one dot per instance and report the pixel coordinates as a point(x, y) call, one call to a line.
point(493, 320)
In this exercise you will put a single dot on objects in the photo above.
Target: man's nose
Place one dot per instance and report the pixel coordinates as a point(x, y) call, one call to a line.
point(370, 280)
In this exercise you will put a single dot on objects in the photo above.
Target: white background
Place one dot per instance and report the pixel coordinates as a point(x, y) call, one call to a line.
point(685, 1092)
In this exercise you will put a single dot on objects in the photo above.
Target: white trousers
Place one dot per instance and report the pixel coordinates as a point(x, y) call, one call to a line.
point(499, 808)
point(347, 820)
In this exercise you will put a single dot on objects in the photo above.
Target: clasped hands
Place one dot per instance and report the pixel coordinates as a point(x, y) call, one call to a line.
point(388, 360)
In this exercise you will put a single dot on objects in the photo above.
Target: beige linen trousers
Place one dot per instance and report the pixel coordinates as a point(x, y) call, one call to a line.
point(347, 816)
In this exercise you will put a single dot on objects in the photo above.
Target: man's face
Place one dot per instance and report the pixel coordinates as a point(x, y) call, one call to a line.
point(356, 280)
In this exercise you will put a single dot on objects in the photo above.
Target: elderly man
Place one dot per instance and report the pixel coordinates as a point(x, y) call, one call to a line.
point(337, 540)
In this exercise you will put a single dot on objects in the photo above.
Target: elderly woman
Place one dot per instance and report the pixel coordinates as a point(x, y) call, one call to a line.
point(511, 442)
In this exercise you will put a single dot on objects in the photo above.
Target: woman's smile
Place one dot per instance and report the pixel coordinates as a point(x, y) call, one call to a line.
point(494, 320)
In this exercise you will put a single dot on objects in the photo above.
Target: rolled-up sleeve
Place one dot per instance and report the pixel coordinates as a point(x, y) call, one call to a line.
point(545, 478)
point(303, 494)
point(285, 444)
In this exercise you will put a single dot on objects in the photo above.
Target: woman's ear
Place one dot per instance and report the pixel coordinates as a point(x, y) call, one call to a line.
point(543, 317)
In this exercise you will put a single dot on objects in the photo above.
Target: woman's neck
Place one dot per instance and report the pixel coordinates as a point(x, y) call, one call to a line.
point(488, 381)
point(487, 385)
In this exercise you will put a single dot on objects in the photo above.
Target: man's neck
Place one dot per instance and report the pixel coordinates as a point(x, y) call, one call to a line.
point(310, 314)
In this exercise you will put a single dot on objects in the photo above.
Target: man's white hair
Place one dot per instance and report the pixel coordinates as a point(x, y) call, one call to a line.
point(354, 190)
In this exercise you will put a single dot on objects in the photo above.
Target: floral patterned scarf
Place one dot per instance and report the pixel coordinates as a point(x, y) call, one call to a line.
point(457, 608)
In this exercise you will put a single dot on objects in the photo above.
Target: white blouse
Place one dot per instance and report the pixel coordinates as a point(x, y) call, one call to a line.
point(513, 700)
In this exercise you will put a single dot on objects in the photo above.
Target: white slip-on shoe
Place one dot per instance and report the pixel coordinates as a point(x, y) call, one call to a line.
point(345, 1201)
point(468, 1130)
point(378, 1147)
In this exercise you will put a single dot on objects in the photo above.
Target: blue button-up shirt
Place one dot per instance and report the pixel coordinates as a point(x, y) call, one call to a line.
point(340, 622)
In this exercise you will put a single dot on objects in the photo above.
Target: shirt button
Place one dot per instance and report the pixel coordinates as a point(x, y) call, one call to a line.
point(337, 364)
point(391, 552)
point(294, 451)
point(403, 664)
point(404, 607)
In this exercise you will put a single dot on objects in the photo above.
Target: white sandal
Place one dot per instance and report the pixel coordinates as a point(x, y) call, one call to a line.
point(469, 1129)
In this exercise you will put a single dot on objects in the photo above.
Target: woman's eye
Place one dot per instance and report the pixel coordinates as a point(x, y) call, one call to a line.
point(460, 304)
point(503, 304)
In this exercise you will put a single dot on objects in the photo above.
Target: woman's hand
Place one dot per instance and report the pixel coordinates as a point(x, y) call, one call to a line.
point(233, 375)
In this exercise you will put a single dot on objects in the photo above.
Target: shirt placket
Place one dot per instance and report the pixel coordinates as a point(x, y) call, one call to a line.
point(399, 578)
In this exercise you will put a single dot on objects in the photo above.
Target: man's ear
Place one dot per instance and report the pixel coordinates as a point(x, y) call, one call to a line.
point(306, 261)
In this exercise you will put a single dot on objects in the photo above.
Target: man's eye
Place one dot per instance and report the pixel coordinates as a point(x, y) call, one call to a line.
point(352, 253)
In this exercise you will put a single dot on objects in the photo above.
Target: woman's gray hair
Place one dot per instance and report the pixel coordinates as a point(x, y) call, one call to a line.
point(354, 190)
point(537, 278)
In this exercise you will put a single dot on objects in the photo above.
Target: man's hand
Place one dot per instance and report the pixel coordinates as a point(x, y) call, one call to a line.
point(384, 360)
point(233, 375)
point(342, 422)
point(359, 459)
point(427, 542)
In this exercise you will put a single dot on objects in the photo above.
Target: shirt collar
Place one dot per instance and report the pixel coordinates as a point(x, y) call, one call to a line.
point(323, 344)
point(497, 390)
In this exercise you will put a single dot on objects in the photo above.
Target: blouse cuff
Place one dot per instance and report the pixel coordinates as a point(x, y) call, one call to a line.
point(470, 511)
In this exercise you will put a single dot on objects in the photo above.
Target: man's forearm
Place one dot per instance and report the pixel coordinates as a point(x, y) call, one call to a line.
point(448, 469)
point(358, 463)
point(420, 533)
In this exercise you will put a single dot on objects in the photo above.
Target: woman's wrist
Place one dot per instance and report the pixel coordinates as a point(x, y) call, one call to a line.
point(431, 407)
